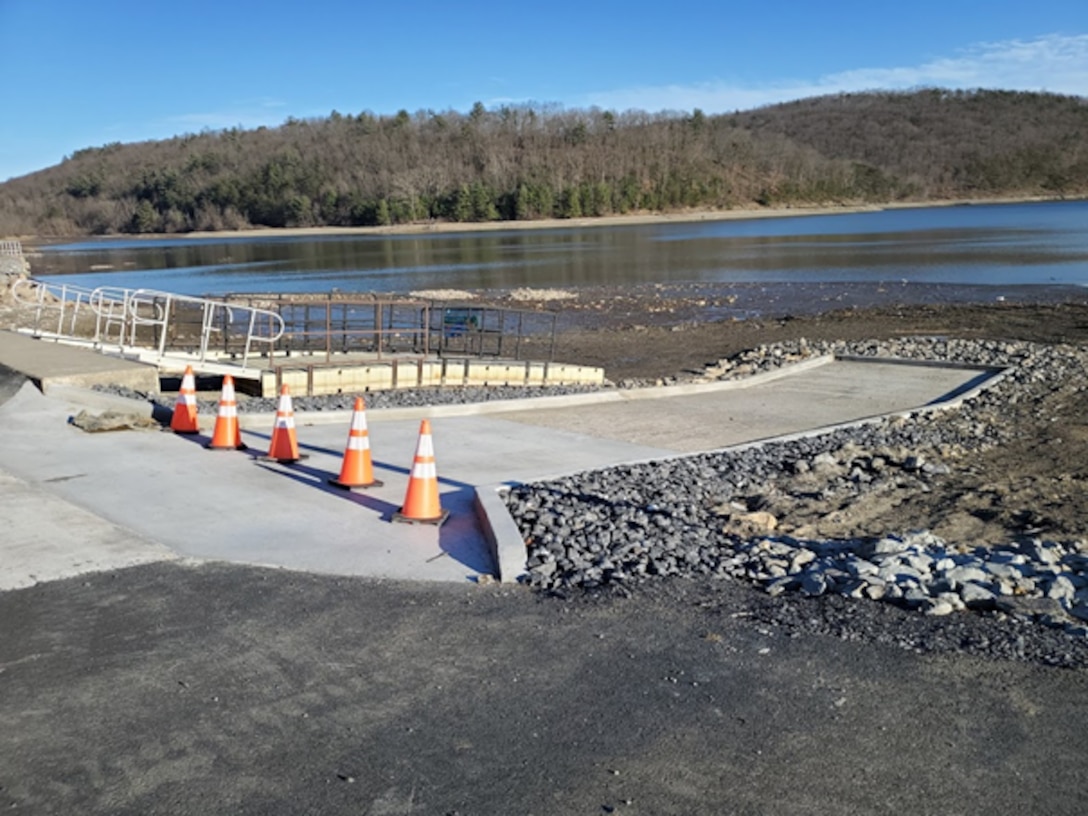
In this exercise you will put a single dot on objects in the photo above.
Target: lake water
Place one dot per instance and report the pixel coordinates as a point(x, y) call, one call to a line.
point(1009, 245)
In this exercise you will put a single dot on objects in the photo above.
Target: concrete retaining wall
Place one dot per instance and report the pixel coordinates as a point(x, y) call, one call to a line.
point(325, 378)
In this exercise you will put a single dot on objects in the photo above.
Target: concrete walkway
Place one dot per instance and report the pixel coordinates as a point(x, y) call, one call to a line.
point(73, 502)
point(732, 413)
point(227, 505)
point(48, 364)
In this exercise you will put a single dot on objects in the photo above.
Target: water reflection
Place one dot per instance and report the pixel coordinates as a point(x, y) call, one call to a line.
point(977, 245)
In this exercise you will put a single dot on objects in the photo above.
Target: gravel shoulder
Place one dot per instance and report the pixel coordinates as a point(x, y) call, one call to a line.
point(1031, 483)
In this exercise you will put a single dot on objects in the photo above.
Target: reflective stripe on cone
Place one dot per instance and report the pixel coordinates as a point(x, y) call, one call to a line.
point(357, 469)
point(227, 435)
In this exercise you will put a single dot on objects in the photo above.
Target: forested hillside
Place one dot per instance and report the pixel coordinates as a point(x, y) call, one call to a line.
point(951, 143)
point(523, 163)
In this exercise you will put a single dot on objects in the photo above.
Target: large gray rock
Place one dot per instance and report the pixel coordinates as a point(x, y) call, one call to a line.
point(977, 596)
point(1061, 589)
point(1030, 607)
point(965, 575)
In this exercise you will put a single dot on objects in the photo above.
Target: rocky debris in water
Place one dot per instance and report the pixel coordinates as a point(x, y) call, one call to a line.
point(635, 523)
point(528, 294)
point(442, 294)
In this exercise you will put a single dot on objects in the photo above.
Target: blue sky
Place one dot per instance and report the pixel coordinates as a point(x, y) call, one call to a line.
point(82, 73)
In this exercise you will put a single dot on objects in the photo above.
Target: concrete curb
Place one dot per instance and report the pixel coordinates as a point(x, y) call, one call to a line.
point(95, 399)
point(595, 398)
point(505, 539)
point(535, 403)
point(90, 398)
point(906, 361)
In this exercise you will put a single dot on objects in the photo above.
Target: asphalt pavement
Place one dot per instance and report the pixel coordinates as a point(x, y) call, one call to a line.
point(171, 689)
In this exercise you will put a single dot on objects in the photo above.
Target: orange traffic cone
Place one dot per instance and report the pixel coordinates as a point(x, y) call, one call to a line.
point(284, 445)
point(227, 434)
point(358, 469)
point(185, 420)
point(421, 503)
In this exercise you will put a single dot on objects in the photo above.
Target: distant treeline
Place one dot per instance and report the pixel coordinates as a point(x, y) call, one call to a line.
point(524, 163)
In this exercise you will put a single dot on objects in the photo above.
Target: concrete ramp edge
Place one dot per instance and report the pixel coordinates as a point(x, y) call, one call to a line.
point(504, 539)
point(508, 549)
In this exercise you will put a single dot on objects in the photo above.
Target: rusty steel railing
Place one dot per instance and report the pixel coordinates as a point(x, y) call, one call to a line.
point(330, 325)
point(345, 325)
point(487, 331)
point(342, 324)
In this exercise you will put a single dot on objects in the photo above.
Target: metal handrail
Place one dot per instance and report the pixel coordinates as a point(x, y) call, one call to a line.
point(214, 314)
point(275, 327)
point(124, 310)
point(110, 307)
point(63, 294)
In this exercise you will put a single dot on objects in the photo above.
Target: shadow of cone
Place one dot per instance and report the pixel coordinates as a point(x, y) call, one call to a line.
point(227, 435)
point(421, 503)
point(357, 470)
point(184, 420)
point(284, 444)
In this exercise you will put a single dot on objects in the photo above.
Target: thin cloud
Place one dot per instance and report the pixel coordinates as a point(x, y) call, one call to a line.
point(1055, 62)
point(265, 112)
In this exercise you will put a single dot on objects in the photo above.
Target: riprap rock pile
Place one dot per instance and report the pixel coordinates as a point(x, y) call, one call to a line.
point(631, 523)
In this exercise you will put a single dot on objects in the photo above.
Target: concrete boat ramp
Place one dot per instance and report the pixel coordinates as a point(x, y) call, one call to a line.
point(74, 502)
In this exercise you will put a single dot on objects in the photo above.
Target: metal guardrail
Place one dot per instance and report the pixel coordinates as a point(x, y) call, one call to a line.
point(157, 322)
point(349, 325)
point(342, 323)
point(11, 248)
point(66, 300)
point(145, 318)
point(487, 331)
